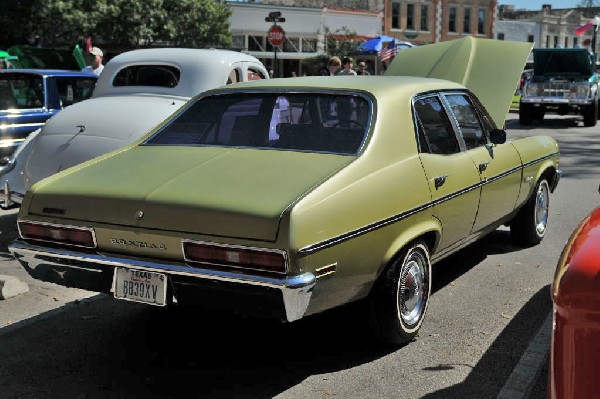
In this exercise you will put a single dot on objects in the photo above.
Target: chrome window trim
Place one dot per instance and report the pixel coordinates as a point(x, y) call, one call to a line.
point(57, 225)
point(191, 262)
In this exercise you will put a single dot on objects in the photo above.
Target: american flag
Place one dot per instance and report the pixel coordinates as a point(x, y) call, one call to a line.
point(387, 52)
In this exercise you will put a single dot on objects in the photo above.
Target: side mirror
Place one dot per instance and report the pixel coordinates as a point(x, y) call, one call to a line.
point(498, 136)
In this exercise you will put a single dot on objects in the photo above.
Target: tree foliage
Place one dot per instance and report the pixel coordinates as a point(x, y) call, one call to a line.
point(341, 42)
point(588, 3)
point(135, 23)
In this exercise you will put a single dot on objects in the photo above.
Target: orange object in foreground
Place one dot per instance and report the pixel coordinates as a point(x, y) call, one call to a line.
point(575, 352)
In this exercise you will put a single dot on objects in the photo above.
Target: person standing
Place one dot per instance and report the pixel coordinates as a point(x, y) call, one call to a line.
point(334, 65)
point(347, 64)
point(96, 67)
point(362, 69)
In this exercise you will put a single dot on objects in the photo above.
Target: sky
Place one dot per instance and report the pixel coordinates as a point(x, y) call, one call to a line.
point(537, 4)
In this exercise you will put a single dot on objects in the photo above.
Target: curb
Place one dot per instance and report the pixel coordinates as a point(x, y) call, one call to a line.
point(523, 378)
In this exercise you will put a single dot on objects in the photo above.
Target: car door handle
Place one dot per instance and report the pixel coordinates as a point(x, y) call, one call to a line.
point(439, 181)
point(483, 166)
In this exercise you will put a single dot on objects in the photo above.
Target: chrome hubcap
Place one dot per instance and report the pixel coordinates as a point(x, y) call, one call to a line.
point(541, 208)
point(413, 285)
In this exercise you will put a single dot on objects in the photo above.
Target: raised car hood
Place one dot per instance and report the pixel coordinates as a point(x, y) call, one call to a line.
point(216, 191)
point(489, 68)
point(94, 127)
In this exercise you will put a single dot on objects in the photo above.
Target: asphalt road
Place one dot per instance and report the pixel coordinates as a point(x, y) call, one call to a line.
point(489, 301)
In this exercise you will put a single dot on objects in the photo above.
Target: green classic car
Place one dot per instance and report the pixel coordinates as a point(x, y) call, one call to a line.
point(288, 197)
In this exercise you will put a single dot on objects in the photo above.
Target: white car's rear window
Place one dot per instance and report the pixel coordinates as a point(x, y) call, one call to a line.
point(148, 75)
point(314, 122)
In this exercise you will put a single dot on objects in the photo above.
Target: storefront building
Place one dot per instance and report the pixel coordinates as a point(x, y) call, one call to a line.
point(306, 29)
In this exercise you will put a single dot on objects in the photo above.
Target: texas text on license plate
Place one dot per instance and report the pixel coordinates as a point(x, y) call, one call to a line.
point(140, 286)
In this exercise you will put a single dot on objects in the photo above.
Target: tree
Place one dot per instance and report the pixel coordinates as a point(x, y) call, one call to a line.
point(134, 23)
point(341, 42)
point(588, 3)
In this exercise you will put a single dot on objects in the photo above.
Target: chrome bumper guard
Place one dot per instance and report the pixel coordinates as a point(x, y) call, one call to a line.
point(296, 290)
point(9, 198)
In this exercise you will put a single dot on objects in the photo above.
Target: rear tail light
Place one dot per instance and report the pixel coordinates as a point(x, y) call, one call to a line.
point(59, 234)
point(209, 253)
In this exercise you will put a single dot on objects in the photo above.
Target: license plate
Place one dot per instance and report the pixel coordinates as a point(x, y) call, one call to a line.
point(140, 286)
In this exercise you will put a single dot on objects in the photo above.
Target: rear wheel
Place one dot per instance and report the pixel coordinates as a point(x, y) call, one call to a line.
point(525, 114)
point(400, 298)
point(529, 225)
point(590, 114)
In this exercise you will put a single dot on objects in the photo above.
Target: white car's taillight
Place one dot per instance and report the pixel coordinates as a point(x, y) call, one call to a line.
point(209, 253)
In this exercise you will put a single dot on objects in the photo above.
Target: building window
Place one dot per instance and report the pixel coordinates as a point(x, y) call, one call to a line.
point(309, 45)
point(291, 45)
point(452, 19)
point(575, 41)
point(548, 41)
point(566, 41)
point(530, 38)
point(256, 43)
point(481, 22)
point(555, 41)
point(424, 15)
point(467, 21)
point(237, 42)
point(395, 15)
point(500, 36)
point(410, 16)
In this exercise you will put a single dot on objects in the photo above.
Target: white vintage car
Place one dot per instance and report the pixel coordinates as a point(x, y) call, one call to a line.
point(136, 91)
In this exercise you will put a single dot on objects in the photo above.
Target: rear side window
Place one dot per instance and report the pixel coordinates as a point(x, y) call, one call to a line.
point(434, 127)
point(468, 121)
point(312, 122)
point(148, 75)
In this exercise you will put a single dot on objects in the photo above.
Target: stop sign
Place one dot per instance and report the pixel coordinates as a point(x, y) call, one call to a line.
point(276, 35)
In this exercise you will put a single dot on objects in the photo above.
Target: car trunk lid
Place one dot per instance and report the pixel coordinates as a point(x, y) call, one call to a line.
point(215, 191)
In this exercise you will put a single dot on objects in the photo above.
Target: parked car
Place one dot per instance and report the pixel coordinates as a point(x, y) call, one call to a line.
point(29, 97)
point(288, 197)
point(575, 351)
point(136, 91)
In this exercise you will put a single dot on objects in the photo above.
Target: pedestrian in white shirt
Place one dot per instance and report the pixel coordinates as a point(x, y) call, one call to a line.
point(96, 55)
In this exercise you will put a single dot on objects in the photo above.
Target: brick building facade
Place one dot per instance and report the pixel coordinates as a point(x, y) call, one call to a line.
point(432, 21)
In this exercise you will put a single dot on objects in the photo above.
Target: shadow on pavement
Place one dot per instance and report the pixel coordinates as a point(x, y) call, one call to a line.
point(105, 348)
point(490, 374)
point(574, 121)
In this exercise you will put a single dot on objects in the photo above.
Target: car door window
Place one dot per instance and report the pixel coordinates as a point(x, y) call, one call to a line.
point(467, 119)
point(434, 127)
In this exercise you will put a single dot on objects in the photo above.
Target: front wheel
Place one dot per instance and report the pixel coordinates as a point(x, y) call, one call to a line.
point(529, 226)
point(400, 298)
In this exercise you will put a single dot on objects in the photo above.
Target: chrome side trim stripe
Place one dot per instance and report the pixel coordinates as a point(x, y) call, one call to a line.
point(309, 249)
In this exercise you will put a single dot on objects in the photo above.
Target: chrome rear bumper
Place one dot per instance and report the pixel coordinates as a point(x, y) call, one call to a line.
point(94, 272)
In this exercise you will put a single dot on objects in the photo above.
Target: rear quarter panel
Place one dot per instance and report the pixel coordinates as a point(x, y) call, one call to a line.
point(358, 219)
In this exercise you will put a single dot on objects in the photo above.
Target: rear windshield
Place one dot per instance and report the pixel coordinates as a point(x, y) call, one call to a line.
point(148, 75)
point(21, 91)
point(313, 122)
